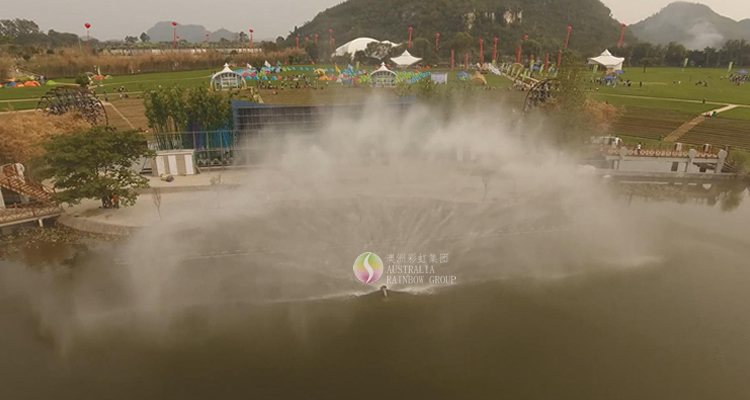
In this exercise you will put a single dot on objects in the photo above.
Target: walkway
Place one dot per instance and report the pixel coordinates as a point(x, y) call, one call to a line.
point(688, 126)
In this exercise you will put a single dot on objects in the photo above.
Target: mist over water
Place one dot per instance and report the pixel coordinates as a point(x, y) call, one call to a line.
point(563, 289)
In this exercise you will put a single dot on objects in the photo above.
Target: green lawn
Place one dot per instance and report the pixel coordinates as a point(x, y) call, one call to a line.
point(664, 82)
point(662, 104)
point(18, 105)
point(737, 113)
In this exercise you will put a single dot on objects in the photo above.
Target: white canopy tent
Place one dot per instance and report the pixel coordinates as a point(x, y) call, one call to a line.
point(383, 77)
point(358, 44)
point(608, 61)
point(406, 59)
point(226, 79)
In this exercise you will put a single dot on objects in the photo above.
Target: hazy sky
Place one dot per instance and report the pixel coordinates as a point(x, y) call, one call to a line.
point(268, 18)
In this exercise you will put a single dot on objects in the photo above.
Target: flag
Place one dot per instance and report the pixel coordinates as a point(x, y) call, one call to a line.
point(267, 64)
point(685, 64)
point(336, 67)
point(596, 68)
point(731, 64)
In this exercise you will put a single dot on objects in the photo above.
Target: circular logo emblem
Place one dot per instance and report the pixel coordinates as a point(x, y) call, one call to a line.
point(368, 267)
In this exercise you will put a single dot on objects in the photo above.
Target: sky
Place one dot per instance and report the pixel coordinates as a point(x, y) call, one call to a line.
point(269, 19)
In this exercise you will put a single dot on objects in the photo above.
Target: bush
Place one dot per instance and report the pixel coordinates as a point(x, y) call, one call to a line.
point(82, 79)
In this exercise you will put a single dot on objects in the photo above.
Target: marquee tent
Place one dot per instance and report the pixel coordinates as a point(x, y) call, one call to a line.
point(358, 44)
point(406, 59)
point(608, 61)
point(226, 79)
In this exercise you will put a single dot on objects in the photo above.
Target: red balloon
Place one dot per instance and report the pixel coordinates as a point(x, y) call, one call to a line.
point(481, 40)
point(410, 29)
point(496, 39)
point(437, 35)
point(570, 28)
point(624, 26)
point(330, 31)
point(251, 31)
point(174, 23)
point(526, 36)
point(87, 25)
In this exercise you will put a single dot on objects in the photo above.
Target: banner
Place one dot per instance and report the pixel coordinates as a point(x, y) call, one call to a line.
point(731, 64)
point(596, 68)
point(439, 78)
point(685, 64)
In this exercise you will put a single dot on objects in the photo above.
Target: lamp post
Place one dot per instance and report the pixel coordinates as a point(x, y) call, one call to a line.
point(481, 52)
point(494, 50)
point(251, 38)
point(437, 43)
point(174, 35)
point(87, 25)
point(622, 35)
point(567, 38)
point(410, 30)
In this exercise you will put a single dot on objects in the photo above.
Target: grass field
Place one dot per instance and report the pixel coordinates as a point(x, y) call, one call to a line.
point(664, 83)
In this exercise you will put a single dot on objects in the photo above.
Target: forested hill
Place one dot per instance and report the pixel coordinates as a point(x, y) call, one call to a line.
point(543, 20)
point(694, 25)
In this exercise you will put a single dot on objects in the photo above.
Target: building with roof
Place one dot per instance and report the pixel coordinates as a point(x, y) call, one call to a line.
point(383, 77)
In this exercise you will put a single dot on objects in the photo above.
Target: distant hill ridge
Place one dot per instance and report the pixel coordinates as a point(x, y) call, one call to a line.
point(162, 32)
point(544, 21)
point(692, 24)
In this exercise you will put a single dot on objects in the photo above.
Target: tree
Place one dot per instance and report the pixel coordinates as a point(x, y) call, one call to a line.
point(243, 37)
point(95, 164)
point(145, 38)
point(648, 62)
point(462, 42)
point(131, 39)
point(83, 80)
point(313, 51)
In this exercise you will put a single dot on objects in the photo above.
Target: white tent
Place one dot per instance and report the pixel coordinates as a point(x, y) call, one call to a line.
point(383, 76)
point(358, 44)
point(608, 61)
point(406, 59)
point(227, 79)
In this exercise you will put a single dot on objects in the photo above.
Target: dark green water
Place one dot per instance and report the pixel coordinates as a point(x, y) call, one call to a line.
point(665, 315)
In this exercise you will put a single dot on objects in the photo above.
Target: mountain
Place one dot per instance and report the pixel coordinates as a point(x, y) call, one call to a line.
point(545, 21)
point(163, 31)
point(694, 25)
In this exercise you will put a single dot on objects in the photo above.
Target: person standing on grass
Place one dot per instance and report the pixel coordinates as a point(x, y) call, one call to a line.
point(638, 148)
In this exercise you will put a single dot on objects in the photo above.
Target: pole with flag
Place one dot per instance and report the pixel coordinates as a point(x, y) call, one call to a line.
point(410, 30)
point(296, 42)
point(481, 52)
point(251, 38)
point(330, 35)
point(622, 36)
point(494, 50)
point(685, 63)
point(731, 65)
point(567, 38)
point(174, 34)
point(437, 43)
point(87, 26)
